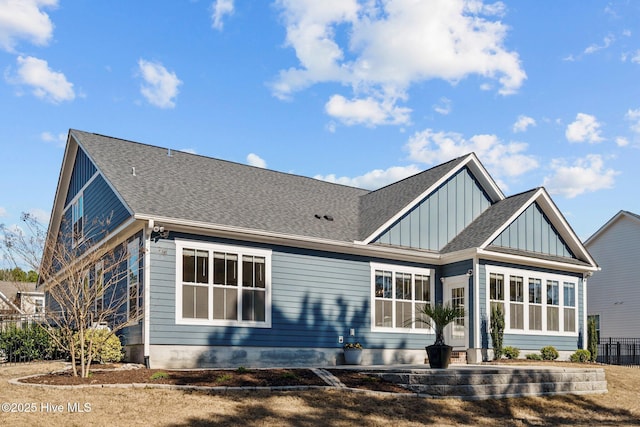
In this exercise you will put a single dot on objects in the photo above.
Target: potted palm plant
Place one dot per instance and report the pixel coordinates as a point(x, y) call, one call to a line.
point(439, 316)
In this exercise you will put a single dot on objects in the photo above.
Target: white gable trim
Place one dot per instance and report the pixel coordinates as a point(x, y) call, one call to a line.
point(479, 172)
point(557, 220)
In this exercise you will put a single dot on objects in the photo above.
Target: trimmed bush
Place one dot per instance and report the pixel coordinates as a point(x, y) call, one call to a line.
point(29, 342)
point(106, 346)
point(549, 353)
point(581, 356)
point(511, 352)
point(592, 338)
point(533, 356)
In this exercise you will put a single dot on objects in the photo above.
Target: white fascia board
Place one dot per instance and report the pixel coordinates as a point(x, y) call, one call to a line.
point(238, 233)
point(557, 219)
point(481, 174)
point(534, 262)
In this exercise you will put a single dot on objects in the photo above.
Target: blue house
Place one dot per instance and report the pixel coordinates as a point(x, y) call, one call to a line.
point(243, 266)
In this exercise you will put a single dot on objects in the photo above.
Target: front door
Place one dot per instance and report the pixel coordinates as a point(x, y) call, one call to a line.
point(455, 294)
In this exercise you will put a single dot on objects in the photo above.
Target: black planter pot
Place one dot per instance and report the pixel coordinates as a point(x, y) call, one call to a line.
point(439, 355)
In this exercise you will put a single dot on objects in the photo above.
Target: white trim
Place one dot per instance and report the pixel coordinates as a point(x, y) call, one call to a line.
point(477, 325)
point(529, 261)
point(395, 268)
point(216, 247)
point(544, 277)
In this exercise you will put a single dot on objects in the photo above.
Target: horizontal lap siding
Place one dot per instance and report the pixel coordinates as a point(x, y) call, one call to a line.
point(315, 299)
point(536, 342)
point(102, 209)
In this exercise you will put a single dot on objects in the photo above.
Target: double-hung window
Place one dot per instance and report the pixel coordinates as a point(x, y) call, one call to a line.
point(399, 295)
point(569, 294)
point(553, 306)
point(496, 291)
point(516, 302)
point(535, 304)
point(225, 285)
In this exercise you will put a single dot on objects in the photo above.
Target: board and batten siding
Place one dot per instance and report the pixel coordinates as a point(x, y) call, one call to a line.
point(437, 219)
point(83, 170)
point(526, 341)
point(532, 231)
point(614, 292)
point(315, 298)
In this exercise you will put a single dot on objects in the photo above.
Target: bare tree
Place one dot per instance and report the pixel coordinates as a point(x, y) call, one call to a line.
point(88, 286)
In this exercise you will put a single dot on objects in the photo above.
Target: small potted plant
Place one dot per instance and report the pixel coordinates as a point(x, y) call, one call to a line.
point(439, 316)
point(352, 353)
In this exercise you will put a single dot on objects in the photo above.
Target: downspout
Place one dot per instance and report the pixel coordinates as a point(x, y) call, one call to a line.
point(147, 292)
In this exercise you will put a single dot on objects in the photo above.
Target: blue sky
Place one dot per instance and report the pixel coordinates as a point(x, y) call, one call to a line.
point(358, 92)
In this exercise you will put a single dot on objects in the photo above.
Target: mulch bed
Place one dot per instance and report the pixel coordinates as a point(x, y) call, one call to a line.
point(215, 378)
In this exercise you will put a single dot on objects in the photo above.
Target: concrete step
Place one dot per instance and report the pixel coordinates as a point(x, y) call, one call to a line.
point(481, 383)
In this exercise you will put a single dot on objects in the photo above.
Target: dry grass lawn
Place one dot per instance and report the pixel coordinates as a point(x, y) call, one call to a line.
point(156, 407)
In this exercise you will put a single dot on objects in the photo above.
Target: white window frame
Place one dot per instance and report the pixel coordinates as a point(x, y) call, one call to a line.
point(544, 278)
point(229, 249)
point(394, 269)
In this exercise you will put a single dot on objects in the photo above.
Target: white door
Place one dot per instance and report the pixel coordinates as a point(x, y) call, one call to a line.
point(455, 294)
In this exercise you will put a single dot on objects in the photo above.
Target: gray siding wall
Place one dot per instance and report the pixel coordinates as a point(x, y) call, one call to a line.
point(103, 210)
point(527, 341)
point(532, 231)
point(316, 297)
point(436, 220)
point(614, 292)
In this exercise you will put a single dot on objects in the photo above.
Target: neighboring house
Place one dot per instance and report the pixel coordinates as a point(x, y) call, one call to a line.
point(614, 293)
point(20, 301)
point(243, 266)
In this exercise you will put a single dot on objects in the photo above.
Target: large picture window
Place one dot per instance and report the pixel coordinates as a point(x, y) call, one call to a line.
point(399, 294)
point(533, 302)
point(219, 284)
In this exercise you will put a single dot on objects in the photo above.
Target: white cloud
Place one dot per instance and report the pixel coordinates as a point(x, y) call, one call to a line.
point(24, 19)
point(3, 212)
point(255, 160)
point(606, 42)
point(46, 84)
point(40, 215)
point(444, 107)
point(375, 179)
point(636, 57)
point(523, 123)
point(220, 9)
point(585, 128)
point(160, 87)
point(188, 150)
point(502, 159)
point(60, 139)
point(622, 141)
point(385, 47)
point(369, 112)
point(585, 175)
point(634, 117)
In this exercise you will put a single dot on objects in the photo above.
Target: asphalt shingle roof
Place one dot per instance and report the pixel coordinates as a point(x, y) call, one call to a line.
point(179, 185)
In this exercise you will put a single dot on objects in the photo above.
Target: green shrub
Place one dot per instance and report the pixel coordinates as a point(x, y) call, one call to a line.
point(26, 343)
point(592, 338)
point(581, 356)
point(497, 330)
point(533, 356)
point(511, 352)
point(549, 353)
point(106, 346)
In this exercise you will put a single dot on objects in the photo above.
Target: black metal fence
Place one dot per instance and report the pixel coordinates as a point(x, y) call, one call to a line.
point(23, 338)
point(619, 351)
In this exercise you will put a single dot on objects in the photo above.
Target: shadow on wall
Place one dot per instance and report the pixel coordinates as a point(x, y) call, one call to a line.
point(310, 339)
